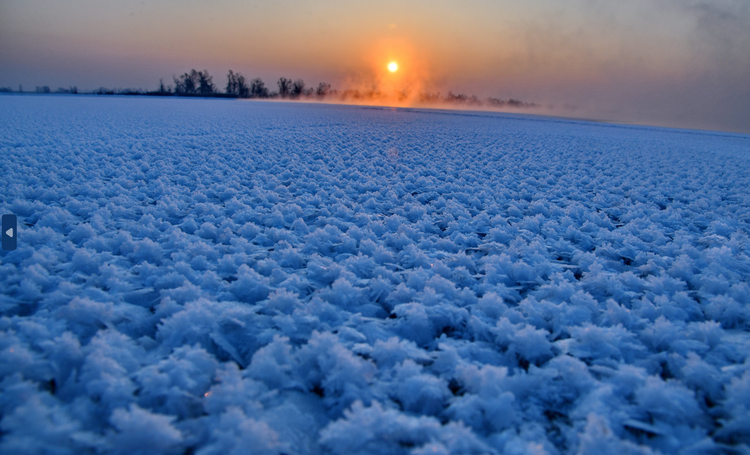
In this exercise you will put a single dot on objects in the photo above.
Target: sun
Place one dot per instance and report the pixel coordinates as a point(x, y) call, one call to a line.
point(392, 67)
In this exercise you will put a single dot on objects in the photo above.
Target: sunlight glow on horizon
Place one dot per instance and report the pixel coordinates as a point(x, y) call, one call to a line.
point(669, 62)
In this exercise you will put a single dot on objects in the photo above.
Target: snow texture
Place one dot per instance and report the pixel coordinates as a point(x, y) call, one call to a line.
point(226, 277)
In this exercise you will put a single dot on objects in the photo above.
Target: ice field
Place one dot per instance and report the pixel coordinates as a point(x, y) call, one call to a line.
point(226, 277)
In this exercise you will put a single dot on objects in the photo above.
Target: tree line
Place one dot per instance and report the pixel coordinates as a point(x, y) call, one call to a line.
point(201, 84)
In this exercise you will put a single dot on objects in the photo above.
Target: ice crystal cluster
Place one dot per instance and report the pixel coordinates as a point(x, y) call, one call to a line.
point(229, 277)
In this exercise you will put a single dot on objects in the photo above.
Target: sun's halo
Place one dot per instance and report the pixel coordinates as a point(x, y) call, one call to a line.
point(392, 67)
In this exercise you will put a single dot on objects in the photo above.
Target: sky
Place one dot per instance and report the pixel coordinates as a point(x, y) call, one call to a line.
point(683, 63)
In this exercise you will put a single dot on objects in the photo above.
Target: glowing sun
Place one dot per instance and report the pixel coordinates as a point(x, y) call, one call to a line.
point(392, 67)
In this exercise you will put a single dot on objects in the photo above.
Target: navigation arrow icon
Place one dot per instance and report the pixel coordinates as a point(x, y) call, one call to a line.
point(9, 231)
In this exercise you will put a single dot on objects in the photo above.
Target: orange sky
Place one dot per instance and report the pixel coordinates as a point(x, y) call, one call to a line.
point(671, 62)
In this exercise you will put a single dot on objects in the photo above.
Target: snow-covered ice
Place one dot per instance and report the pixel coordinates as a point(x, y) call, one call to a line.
point(226, 277)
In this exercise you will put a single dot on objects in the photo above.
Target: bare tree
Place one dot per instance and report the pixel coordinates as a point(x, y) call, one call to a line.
point(163, 89)
point(186, 84)
point(258, 88)
point(236, 85)
point(194, 83)
point(232, 88)
point(323, 90)
point(285, 86)
point(191, 82)
point(453, 98)
point(243, 91)
point(298, 88)
point(205, 83)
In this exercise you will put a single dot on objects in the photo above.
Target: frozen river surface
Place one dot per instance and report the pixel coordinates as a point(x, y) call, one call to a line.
point(225, 277)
